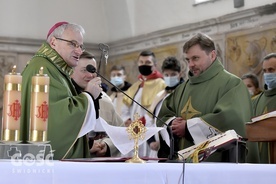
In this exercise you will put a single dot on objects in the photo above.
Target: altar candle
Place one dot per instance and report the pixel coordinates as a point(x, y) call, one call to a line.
point(11, 107)
point(39, 107)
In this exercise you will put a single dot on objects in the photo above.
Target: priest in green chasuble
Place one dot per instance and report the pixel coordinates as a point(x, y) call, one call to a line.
point(70, 115)
point(266, 101)
point(210, 102)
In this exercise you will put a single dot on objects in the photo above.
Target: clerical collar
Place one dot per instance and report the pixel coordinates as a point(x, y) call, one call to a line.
point(50, 54)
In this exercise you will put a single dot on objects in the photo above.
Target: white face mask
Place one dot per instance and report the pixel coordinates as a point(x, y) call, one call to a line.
point(117, 81)
point(270, 80)
point(171, 81)
point(251, 92)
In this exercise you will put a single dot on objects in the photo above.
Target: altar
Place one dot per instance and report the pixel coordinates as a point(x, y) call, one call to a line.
point(30, 171)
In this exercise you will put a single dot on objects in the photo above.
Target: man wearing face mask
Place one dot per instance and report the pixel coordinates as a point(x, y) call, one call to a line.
point(171, 69)
point(266, 101)
point(118, 77)
point(143, 91)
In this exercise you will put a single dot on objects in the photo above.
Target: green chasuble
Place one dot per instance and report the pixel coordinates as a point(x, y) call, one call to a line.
point(264, 103)
point(67, 110)
point(218, 98)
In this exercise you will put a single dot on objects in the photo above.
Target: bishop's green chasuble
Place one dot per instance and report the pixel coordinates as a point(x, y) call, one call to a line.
point(67, 110)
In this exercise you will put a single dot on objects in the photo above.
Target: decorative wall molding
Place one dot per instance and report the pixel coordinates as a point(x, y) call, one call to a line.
point(19, 45)
point(228, 23)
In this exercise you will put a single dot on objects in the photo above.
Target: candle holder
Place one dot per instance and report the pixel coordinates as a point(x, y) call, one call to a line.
point(11, 108)
point(39, 108)
point(136, 131)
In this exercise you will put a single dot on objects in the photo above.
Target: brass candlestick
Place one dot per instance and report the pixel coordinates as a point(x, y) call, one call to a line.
point(136, 131)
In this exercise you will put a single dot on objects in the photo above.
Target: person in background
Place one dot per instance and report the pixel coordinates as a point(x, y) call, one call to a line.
point(252, 83)
point(70, 115)
point(143, 91)
point(207, 104)
point(100, 144)
point(171, 70)
point(265, 102)
point(118, 79)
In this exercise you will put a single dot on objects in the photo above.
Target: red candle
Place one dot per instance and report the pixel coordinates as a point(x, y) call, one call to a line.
point(11, 107)
point(39, 107)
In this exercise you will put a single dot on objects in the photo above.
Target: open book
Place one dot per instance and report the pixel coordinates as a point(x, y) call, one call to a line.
point(262, 128)
point(264, 116)
point(205, 148)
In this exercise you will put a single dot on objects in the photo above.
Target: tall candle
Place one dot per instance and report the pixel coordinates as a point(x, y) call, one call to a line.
point(39, 107)
point(11, 107)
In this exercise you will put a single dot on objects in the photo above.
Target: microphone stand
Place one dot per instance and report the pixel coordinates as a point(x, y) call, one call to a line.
point(171, 158)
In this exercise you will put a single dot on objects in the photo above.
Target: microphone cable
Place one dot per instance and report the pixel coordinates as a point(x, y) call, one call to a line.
point(183, 169)
point(92, 69)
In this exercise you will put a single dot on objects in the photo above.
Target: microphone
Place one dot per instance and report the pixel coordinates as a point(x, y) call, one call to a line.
point(172, 156)
point(91, 69)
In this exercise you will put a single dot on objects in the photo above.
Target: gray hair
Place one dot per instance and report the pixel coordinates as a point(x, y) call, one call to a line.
point(59, 30)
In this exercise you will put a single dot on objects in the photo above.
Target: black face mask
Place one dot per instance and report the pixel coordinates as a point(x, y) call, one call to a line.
point(145, 70)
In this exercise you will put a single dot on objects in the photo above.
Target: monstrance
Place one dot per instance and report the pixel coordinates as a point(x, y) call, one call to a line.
point(136, 131)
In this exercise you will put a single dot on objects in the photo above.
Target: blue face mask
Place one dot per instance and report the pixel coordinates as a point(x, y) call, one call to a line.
point(171, 81)
point(117, 81)
point(270, 80)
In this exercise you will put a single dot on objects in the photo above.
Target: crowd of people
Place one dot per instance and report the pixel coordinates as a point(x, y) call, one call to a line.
point(209, 102)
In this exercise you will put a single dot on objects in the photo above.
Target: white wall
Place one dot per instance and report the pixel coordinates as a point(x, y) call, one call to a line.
point(108, 20)
point(33, 18)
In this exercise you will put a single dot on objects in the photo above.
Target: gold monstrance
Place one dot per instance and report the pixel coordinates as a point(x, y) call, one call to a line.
point(136, 131)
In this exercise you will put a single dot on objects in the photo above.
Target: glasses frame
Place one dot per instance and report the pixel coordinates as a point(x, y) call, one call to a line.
point(73, 43)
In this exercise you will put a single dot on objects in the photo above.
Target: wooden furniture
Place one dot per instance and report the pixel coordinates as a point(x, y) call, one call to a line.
point(264, 131)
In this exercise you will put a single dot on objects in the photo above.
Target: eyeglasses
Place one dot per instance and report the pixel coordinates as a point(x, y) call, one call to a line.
point(73, 44)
